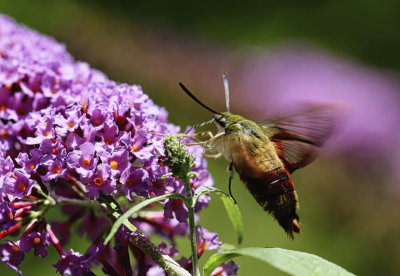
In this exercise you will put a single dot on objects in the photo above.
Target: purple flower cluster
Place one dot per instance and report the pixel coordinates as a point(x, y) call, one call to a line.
point(69, 136)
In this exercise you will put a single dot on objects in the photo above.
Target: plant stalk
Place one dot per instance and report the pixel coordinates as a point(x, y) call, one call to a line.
point(193, 242)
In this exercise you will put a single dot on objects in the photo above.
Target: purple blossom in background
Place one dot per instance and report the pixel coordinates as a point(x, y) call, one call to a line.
point(6, 166)
point(17, 185)
point(92, 226)
point(206, 239)
point(73, 263)
point(70, 136)
point(370, 100)
point(135, 180)
point(12, 255)
point(175, 208)
point(118, 160)
point(99, 181)
point(230, 268)
point(83, 160)
point(7, 215)
point(37, 241)
point(30, 164)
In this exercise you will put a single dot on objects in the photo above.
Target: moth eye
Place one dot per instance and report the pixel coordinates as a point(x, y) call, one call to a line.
point(221, 121)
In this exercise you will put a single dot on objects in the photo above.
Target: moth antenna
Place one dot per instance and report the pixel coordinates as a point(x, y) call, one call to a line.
point(197, 100)
point(199, 125)
point(189, 129)
point(204, 123)
point(226, 87)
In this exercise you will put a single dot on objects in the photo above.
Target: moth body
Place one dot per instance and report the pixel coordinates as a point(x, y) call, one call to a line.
point(266, 154)
point(255, 159)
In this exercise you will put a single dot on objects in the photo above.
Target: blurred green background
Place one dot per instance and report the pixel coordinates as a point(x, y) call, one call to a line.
point(349, 214)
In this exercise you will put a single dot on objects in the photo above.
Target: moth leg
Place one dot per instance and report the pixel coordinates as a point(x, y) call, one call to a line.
point(158, 134)
point(198, 135)
point(194, 144)
point(230, 168)
point(206, 133)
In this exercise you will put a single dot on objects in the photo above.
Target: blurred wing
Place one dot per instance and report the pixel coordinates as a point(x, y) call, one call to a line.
point(297, 137)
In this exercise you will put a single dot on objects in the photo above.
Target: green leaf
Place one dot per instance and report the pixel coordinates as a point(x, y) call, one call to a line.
point(191, 174)
point(292, 262)
point(123, 219)
point(113, 207)
point(231, 208)
point(165, 176)
point(227, 246)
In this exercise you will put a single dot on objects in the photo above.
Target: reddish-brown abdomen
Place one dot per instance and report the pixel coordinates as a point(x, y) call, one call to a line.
point(274, 191)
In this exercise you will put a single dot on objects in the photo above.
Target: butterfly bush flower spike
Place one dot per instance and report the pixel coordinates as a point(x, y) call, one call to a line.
point(69, 138)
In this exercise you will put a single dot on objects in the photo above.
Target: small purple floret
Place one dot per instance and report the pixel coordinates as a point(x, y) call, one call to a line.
point(7, 215)
point(38, 241)
point(12, 255)
point(73, 263)
point(17, 185)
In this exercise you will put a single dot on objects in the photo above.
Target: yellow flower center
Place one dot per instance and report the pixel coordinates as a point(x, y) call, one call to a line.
point(114, 164)
point(108, 141)
point(83, 104)
point(21, 187)
point(56, 151)
point(31, 166)
point(203, 246)
point(4, 133)
point(10, 216)
point(15, 247)
point(46, 133)
point(98, 181)
point(86, 162)
point(135, 148)
point(97, 123)
point(57, 169)
point(36, 240)
point(129, 181)
point(71, 124)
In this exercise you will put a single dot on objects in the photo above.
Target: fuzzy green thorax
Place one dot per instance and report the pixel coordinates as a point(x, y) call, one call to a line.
point(234, 123)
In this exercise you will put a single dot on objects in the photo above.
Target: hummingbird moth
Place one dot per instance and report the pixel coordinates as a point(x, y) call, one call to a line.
point(266, 154)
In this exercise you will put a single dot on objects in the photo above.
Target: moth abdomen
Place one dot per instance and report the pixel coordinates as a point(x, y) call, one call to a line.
point(274, 191)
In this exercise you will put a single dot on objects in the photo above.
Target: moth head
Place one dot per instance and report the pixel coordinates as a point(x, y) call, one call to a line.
point(229, 122)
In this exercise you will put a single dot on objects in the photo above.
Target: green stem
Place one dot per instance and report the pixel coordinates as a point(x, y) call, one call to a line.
point(193, 242)
point(140, 241)
point(163, 260)
point(180, 163)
